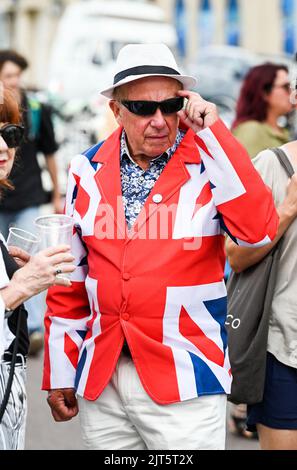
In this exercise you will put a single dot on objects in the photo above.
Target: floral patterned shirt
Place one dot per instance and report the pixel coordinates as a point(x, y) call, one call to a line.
point(138, 183)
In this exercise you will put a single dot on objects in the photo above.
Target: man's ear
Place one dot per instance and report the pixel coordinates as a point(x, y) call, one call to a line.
point(115, 107)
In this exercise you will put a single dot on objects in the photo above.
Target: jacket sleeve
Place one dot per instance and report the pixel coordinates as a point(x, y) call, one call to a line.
point(68, 309)
point(245, 205)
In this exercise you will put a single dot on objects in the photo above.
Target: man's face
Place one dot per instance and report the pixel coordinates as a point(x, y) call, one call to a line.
point(10, 75)
point(150, 135)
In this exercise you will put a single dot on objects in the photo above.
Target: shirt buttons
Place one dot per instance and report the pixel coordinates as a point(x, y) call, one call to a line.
point(125, 316)
point(126, 276)
point(157, 198)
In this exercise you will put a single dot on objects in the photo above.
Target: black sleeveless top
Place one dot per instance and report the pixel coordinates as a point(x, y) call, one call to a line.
point(11, 266)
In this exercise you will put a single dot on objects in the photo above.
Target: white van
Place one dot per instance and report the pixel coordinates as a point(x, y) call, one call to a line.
point(89, 37)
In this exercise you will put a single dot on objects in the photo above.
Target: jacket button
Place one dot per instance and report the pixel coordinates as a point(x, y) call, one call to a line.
point(125, 316)
point(126, 276)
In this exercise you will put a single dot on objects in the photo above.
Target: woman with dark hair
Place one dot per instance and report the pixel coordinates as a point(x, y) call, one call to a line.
point(264, 98)
point(21, 277)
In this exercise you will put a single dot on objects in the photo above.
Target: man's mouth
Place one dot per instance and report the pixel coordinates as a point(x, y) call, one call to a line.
point(160, 137)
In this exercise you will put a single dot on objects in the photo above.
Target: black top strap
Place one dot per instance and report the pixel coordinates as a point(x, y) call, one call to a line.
point(22, 332)
point(10, 264)
point(284, 161)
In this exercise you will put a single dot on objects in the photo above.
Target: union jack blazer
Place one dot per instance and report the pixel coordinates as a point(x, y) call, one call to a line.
point(160, 284)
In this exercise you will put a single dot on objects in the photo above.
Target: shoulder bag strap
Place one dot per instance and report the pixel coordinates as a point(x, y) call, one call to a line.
point(284, 161)
point(287, 165)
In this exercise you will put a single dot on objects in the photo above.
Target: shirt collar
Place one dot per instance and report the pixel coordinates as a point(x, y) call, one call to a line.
point(166, 155)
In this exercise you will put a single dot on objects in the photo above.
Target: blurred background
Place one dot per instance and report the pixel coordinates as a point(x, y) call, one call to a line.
point(71, 46)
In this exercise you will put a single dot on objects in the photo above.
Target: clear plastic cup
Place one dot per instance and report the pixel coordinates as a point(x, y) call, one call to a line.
point(53, 230)
point(20, 238)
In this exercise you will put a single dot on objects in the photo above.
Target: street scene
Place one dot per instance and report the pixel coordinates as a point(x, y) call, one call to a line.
point(148, 206)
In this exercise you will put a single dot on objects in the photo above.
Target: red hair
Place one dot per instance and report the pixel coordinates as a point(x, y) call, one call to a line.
point(9, 113)
point(9, 108)
point(251, 104)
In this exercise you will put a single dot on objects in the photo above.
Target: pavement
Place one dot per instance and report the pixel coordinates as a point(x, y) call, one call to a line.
point(43, 433)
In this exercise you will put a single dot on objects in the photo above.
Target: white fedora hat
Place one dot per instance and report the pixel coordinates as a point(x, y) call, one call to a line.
point(137, 61)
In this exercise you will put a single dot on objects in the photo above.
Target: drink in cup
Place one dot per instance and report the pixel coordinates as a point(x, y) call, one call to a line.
point(53, 230)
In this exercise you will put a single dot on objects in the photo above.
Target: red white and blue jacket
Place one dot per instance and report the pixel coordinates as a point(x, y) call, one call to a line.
point(160, 285)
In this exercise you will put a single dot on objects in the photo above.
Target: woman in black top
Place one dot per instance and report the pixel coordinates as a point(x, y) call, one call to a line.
point(21, 277)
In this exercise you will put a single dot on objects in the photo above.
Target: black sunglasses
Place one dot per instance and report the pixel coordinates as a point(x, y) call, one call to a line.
point(12, 134)
point(148, 108)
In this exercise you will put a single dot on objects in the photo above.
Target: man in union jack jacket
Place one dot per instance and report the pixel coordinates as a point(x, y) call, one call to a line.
point(138, 342)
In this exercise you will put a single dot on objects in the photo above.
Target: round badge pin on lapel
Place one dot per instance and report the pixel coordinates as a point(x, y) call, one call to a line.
point(157, 198)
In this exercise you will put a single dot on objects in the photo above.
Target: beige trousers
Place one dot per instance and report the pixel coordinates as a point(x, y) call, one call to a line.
point(124, 417)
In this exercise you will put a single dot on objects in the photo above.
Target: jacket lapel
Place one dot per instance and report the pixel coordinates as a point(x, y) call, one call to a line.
point(108, 179)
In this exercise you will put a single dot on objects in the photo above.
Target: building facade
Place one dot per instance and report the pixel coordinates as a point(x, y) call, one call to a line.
point(29, 26)
point(266, 26)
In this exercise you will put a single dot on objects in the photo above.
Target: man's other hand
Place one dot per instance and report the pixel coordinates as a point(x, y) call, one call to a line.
point(63, 403)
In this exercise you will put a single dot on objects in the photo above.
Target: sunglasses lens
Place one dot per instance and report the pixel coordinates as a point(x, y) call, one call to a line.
point(173, 105)
point(12, 135)
point(142, 108)
point(148, 108)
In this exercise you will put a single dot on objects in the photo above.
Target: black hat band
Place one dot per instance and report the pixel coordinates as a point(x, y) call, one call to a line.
point(144, 70)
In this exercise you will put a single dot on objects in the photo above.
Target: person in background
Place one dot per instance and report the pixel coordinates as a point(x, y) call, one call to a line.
point(275, 418)
point(21, 277)
point(263, 99)
point(138, 343)
point(21, 206)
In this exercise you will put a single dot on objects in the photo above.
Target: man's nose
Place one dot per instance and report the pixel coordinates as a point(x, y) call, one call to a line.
point(157, 119)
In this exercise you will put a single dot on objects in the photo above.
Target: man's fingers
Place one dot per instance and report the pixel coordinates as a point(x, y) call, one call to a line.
point(185, 118)
point(61, 412)
point(56, 416)
point(70, 398)
point(188, 94)
point(188, 122)
point(59, 418)
point(196, 110)
point(200, 113)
